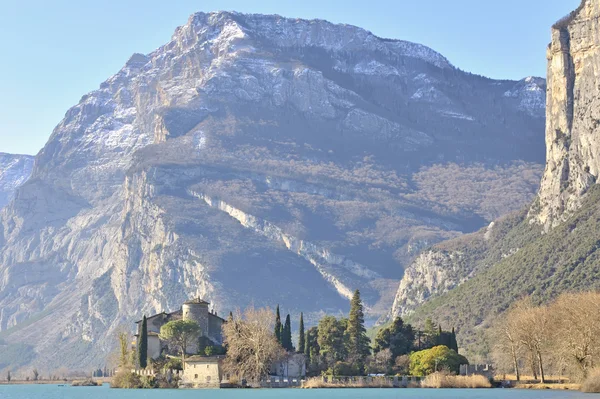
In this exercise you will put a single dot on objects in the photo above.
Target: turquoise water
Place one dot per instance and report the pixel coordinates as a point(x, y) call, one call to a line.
point(56, 392)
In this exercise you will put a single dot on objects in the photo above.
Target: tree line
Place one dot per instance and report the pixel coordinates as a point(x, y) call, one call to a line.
point(562, 337)
point(254, 341)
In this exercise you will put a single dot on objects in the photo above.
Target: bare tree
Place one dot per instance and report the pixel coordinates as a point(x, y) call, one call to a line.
point(507, 346)
point(577, 330)
point(532, 326)
point(251, 346)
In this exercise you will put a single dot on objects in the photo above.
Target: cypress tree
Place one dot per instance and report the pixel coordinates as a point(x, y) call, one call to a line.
point(278, 327)
point(301, 337)
point(357, 333)
point(307, 346)
point(142, 345)
point(286, 335)
point(453, 341)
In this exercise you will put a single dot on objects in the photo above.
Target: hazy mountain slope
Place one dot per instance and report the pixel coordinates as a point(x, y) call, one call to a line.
point(553, 247)
point(256, 159)
point(14, 171)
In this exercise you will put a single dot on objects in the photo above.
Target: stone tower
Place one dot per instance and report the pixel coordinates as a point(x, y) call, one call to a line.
point(197, 310)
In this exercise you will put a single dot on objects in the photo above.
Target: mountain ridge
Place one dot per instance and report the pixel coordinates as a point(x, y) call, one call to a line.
point(222, 166)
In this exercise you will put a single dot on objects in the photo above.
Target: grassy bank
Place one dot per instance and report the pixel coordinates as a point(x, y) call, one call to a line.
point(317, 382)
point(443, 380)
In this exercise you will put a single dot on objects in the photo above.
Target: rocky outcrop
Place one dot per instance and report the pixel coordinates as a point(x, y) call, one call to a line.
point(573, 121)
point(14, 171)
point(572, 168)
point(253, 159)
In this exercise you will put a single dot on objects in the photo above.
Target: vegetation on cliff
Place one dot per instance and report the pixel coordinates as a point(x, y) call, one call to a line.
point(523, 262)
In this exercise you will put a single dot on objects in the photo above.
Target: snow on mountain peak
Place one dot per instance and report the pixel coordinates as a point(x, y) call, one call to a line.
point(289, 32)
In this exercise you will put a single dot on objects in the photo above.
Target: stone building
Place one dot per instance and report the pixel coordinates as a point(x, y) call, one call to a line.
point(202, 372)
point(292, 366)
point(197, 310)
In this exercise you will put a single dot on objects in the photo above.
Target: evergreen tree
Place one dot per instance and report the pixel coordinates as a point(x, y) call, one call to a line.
point(142, 345)
point(358, 342)
point(398, 337)
point(230, 318)
point(430, 332)
point(286, 335)
point(453, 341)
point(301, 338)
point(278, 326)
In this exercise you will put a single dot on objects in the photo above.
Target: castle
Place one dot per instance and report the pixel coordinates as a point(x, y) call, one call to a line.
point(196, 310)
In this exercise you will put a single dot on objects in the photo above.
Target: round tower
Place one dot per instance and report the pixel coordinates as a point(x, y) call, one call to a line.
point(197, 310)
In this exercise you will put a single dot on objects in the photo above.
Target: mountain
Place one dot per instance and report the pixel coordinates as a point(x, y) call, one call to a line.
point(255, 159)
point(14, 171)
point(550, 247)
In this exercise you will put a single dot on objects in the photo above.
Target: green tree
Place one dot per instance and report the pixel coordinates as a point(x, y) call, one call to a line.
point(180, 334)
point(398, 337)
point(301, 337)
point(278, 326)
point(438, 358)
point(453, 341)
point(286, 335)
point(8, 376)
point(430, 333)
point(142, 344)
point(332, 339)
point(358, 342)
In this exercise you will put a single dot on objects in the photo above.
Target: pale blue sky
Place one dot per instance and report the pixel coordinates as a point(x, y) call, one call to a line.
point(53, 52)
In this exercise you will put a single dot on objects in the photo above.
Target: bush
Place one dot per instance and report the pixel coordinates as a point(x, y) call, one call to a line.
point(440, 357)
point(214, 350)
point(345, 369)
point(174, 364)
point(126, 380)
point(148, 382)
point(592, 383)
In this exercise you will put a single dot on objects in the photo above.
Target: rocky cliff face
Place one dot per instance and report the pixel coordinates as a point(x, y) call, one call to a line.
point(255, 159)
point(553, 247)
point(573, 118)
point(14, 171)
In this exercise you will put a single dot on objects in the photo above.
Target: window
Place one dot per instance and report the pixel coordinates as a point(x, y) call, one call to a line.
point(208, 378)
point(196, 376)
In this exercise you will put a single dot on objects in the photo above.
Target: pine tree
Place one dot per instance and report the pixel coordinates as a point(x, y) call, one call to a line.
point(278, 326)
point(142, 345)
point(286, 335)
point(301, 337)
point(359, 347)
point(230, 318)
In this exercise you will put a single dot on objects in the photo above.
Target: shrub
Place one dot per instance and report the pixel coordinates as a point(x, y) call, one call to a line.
point(440, 357)
point(126, 380)
point(174, 364)
point(345, 369)
point(592, 383)
point(148, 382)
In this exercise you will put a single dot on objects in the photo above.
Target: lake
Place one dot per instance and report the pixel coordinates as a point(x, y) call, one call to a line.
point(56, 392)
